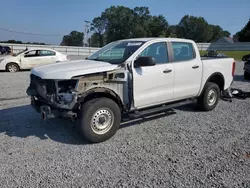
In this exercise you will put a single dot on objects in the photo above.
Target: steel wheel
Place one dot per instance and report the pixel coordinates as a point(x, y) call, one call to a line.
point(102, 121)
point(211, 97)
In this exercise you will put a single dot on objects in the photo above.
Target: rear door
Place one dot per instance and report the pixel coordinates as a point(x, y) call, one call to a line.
point(47, 56)
point(188, 70)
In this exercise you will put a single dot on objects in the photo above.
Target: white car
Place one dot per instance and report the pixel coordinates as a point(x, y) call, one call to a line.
point(28, 59)
point(129, 78)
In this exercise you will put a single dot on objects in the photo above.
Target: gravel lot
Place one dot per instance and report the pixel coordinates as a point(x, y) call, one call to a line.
point(185, 149)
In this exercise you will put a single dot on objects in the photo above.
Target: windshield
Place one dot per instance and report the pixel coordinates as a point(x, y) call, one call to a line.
point(19, 52)
point(116, 52)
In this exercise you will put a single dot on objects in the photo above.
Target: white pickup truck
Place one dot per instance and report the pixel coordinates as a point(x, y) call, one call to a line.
point(128, 78)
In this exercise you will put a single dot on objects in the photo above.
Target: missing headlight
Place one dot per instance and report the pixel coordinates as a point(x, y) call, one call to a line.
point(66, 86)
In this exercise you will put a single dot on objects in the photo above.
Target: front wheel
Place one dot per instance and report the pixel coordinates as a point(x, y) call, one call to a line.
point(12, 67)
point(210, 96)
point(99, 119)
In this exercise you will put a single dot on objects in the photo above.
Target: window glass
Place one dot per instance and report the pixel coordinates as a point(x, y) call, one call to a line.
point(31, 54)
point(158, 51)
point(116, 52)
point(183, 51)
point(46, 53)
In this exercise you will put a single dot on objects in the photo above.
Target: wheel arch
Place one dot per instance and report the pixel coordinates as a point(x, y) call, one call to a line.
point(218, 79)
point(13, 63)
point(101, 92)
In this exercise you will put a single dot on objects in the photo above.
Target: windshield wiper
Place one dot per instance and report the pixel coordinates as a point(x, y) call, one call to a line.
point(96, 59)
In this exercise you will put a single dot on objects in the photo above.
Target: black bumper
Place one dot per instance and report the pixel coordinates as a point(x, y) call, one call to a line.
point(48, 111)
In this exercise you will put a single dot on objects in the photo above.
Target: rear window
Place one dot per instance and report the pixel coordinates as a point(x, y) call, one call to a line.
point(46, 53)
point(183, 51)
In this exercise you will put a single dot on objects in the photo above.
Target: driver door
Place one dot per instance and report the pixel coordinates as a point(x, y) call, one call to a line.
point(29, 59)
point(154, 84)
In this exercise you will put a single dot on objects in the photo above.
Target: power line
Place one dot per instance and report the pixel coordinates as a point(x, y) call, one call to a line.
point(26, 33)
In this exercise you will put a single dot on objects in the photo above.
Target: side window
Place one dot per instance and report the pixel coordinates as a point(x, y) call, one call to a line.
point(46, 53)
point(158, 51)
point(183, 51)
point(32, 53)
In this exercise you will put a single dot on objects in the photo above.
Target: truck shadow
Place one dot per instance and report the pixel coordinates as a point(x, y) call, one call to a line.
point(24, 122)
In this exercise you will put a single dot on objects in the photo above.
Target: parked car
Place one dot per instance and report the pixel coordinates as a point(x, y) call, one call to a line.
point(246, 59)
point(128, 79)
point(30, 58)
point(5, 50)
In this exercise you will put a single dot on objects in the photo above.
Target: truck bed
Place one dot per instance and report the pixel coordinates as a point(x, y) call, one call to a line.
point(211, 57)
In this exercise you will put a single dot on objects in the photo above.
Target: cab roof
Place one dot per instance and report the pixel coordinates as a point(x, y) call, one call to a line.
point(158, 38)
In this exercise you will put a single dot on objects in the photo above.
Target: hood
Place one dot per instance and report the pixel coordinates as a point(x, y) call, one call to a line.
point(69, 69)
point(6, 57)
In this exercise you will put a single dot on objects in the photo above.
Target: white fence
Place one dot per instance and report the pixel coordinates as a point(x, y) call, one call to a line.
point(239, 46)
point(69, 50)
point(85, 51)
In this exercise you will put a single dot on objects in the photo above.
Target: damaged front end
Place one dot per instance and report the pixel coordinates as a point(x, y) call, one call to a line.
point(53, 98)
point(63, 98)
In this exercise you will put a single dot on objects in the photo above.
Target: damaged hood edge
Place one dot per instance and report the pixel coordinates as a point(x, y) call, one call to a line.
point(69, 69)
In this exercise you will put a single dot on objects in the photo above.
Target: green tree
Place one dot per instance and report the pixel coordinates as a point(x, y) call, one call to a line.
point(244, 34)
point(158, 26)
point(75, 38)
point(96, 40)
point(98, 25)
point(120, 22)
point(195, 28)
point(141, 22)
point(217, 33)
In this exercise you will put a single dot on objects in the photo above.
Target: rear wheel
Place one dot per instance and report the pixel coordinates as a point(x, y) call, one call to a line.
point(246, 75)
point(12, 67)
point(99, 119)
point(210, 96)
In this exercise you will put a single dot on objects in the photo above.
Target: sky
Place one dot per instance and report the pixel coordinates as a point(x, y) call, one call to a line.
point(60, 17)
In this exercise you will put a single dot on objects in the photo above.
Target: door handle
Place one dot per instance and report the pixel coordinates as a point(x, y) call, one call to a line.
point(167, 71)
point(195, 66)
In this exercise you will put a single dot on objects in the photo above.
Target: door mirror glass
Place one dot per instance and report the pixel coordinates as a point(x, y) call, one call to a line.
point(144, 61)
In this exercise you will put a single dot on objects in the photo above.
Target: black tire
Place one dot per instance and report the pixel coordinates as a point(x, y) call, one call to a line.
point(87, 125)
point(210, 89)
point(12, 67)
point(246, 75)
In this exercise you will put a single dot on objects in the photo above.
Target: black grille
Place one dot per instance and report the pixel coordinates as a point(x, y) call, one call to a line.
point(48, 85)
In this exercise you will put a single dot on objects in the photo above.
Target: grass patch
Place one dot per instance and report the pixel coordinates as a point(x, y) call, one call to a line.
point(237, 55)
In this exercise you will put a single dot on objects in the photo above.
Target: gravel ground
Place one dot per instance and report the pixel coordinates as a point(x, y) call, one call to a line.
point(187, 148)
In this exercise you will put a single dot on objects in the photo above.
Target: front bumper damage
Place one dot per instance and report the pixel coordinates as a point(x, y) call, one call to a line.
point(49, 103)
point(47, 111)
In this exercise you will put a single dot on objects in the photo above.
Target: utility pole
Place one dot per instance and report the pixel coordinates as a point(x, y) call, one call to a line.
point(87, 30)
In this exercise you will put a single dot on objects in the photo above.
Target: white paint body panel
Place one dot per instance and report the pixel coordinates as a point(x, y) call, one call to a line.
point(223, 66)
point(67, 70)
point(186, 81)
point(151, 85)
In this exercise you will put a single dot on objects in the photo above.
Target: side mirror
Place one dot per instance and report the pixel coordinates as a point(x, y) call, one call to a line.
point(144, 61)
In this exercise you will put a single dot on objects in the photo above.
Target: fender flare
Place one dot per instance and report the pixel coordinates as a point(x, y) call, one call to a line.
point(212, 75)
point(100, 91)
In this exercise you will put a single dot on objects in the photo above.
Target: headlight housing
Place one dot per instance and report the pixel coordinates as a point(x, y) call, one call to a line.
point(66, 86)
